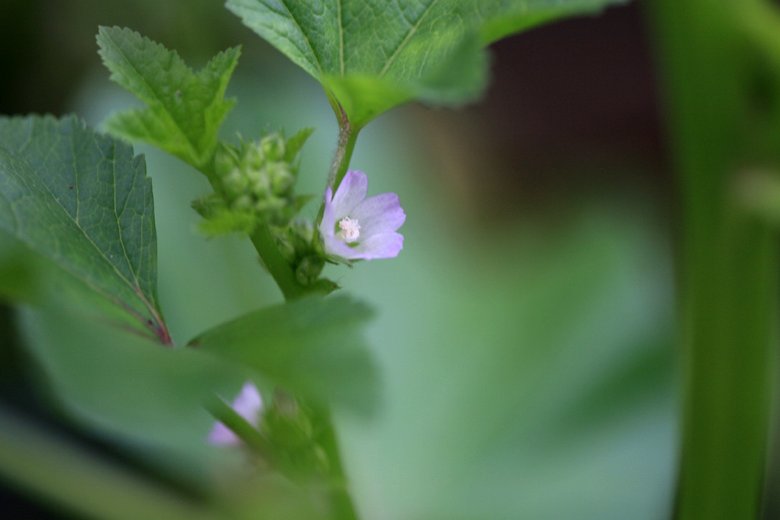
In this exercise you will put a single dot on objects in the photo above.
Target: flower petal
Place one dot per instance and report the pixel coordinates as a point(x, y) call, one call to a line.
point(383, 245)
point(379, 214)
point(248, 404)
point(328, 222)
point(334, 246)
point(350, 193)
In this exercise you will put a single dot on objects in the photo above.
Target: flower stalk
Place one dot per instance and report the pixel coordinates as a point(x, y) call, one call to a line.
point(348, 135)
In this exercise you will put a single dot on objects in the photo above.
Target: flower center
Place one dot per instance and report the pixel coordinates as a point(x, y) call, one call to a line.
point(349, 230)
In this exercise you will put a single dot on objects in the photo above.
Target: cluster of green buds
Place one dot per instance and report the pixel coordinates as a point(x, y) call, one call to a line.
point(254, 184)
point(257, 178)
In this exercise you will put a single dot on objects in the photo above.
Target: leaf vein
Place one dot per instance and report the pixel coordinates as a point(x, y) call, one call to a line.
point(305, 35)
point(409, 34)
point(341, 36)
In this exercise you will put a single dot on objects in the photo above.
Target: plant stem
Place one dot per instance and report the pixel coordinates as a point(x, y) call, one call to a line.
point(343, 508)
point(277, 265)
point(348, 135)
point(729, 259)
point(225, 414)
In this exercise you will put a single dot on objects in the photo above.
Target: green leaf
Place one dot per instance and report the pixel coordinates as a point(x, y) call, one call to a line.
point(184, 108)
point(17, 280)
point(295, 143)
point(83, 201)
point(311, 347)
point(373, 55)
point(125, 386)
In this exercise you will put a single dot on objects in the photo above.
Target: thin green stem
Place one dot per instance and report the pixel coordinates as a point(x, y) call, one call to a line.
point(348, 135)
point(346, 145)
point(225, 414)
point(343, 507)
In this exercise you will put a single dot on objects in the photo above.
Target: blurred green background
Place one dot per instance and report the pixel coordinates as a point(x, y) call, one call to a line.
point(525, 335)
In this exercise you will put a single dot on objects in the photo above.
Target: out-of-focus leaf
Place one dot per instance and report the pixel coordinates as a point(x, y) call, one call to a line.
point(312, 347)
point(184, 108)
point(71, 477)
point(16, 273)
point(295, 144)
point(82, 200)
point(373, 55)
point(126, 386)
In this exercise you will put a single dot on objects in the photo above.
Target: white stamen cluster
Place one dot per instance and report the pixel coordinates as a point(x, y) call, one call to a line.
point(349, 230)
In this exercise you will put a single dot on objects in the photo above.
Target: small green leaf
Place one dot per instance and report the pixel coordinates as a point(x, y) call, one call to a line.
point(184, 108)
point(226, 221)
point(295, 144)
point(312, 347)
point(373, 55)
point(83, 201)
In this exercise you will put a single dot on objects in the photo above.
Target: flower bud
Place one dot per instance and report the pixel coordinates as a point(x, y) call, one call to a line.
point(254, 158)
point(244, 202)
point(272, 147)
point(281, 177)
point(309, 269)
point(270, 205)
point(287, 249)
point(225, 160)
point(235, 183)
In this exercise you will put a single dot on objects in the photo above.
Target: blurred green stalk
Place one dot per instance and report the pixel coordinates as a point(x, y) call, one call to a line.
point(66, 475)
point(728, 280)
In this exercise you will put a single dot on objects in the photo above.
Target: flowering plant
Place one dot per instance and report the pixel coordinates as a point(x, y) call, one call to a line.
point(264, 392)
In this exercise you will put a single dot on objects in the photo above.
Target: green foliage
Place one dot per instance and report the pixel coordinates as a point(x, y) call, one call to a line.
point(312, 348)
point(70, 476)
point(294, 436)
point(721, 130)
point(295, 143)
point(82, 201)
point(17, 280)
point(371, 56)
point(128, 387)
point(255, 181)
point(184, 108)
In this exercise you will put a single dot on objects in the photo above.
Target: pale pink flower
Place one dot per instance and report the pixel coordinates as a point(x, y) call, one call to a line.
point(354, 227)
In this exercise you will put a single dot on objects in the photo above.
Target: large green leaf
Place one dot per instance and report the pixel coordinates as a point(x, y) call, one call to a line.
point(17, 280)
point(83, 201)
point(185, 108)
point(371, 55)
point(125, 386)
point(312, 347)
